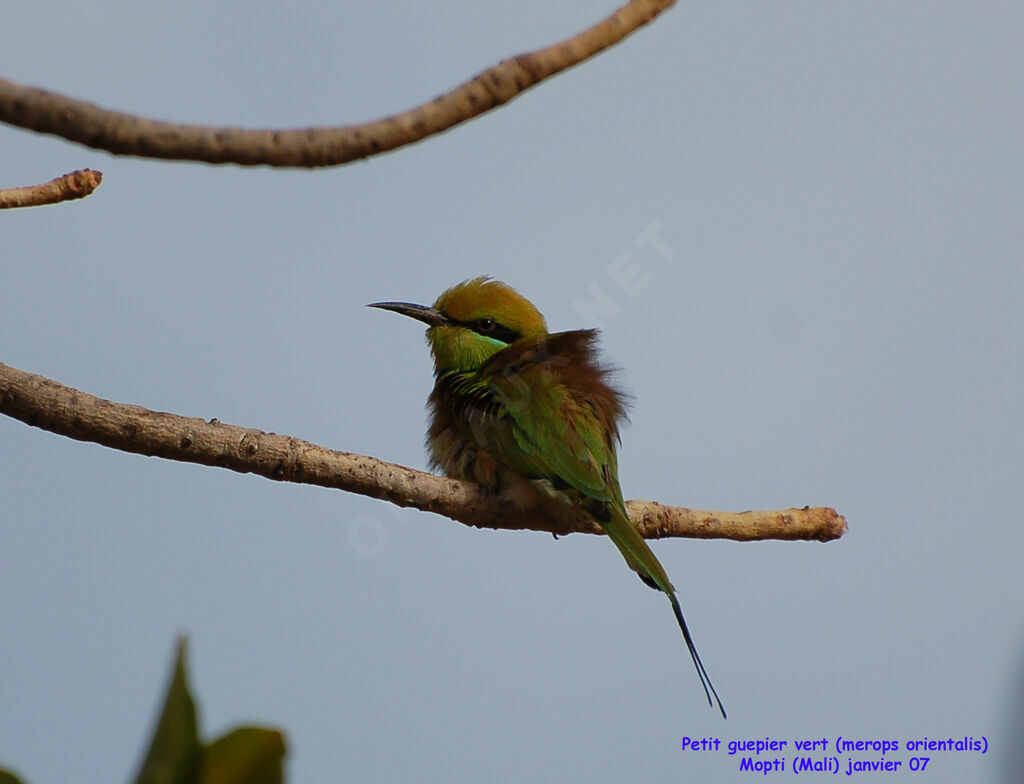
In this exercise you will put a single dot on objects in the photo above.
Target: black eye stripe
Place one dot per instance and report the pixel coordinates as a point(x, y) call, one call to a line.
point(498, 331)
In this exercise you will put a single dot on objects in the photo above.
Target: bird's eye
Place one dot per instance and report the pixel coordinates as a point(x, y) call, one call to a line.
point(485, 324)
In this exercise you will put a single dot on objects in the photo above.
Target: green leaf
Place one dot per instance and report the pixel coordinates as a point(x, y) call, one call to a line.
point(247, 755)
point(175, 748)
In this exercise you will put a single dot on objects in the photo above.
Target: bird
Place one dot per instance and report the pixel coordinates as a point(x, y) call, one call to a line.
point(532, 416)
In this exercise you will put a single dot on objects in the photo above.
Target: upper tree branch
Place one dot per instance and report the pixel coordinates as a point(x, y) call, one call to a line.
point(126, 134)
point(51, 406)
point(74, 185)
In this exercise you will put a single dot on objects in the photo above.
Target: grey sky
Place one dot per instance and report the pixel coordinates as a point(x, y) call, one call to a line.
point(838, 186)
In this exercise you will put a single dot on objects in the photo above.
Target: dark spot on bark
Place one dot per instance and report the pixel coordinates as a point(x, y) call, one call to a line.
point(599, 509)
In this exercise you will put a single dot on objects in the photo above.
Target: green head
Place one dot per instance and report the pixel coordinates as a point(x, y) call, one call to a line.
point(473, 321)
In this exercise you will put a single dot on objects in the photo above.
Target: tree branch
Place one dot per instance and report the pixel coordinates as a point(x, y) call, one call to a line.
point(74, 185)
point(126, 134)
point(46, 404)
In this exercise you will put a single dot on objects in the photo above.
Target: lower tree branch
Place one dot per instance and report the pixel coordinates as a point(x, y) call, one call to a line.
point(74, 185)
point(46, 404)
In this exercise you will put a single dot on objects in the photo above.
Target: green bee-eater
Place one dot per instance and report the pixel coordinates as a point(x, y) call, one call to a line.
point(531, 415)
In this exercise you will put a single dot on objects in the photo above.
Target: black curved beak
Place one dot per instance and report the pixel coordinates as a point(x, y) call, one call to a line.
point(419, 312)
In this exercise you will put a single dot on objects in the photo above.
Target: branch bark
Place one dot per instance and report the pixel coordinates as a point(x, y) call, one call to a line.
point(74, 185)
point(46, 404)
point(126, 134)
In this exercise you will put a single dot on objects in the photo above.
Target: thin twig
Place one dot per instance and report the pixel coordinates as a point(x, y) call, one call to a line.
point(126, 134)
point(74, 185)
point(46, 404)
